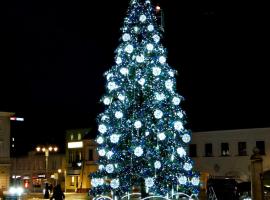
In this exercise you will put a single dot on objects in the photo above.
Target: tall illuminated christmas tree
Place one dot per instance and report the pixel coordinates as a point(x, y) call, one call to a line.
point(142, 142)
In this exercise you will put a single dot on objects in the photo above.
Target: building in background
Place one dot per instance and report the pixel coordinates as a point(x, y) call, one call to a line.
point(80, 159)
point(4, 149)
point(30, 171)
point(226, 153)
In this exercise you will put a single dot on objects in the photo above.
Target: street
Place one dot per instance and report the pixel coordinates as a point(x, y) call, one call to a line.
point(69, 196)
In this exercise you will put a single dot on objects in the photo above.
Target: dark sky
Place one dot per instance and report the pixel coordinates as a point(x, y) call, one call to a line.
point(54, 54)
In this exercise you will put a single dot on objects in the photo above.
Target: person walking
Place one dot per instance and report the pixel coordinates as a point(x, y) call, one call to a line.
point(46, 191)
point(57, 193)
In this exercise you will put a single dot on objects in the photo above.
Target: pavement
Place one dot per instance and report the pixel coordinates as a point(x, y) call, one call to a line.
point(69, 196)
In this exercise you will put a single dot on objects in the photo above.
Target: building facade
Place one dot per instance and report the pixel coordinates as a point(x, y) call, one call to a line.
point(227, 153)
point(4, 150)
point(30, 171)
point(80, 160)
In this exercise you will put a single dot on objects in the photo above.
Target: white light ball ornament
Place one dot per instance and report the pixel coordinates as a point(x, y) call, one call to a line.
point(195, 181)
point(160, 96)
point(100, 140)
point(181, 151)
point(138, 151)
point(186, 138)
point(140, 58)
point(171, 73)
point(109, 168)
point(187, 166)
point(169, 84)
point(101, 167)
point(141, 81)
point(94, 182)
point(118, 114)
point(107, 101)
point(182, 180)
point(149, 47)
point(102, 128)
point(136, 29)
point(161, 136)
point(124, 70)
point(118, 60)
point(158, 114)
point(129, 48)
point(156, 38)
point(142, 18)
point(112, 86)
point(114, 183)
point(101, 152)
point(138, 124)
point(162, 59)
point(178, 125)
point(109, 76)
point(104, 117)
point(114, 138)
point(157, 165)
point(156, 71)
point(126, 37)
point(121, 97)
point(149, 182)
point(150, 27)
point(109, 154)
point(176, 101)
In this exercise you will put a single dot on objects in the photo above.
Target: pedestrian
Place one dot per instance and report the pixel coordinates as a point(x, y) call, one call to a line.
point(46, 191)
point(57, 193)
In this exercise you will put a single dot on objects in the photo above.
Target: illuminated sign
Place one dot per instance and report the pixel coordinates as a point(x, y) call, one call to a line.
point(17, 119)
point(72, 145)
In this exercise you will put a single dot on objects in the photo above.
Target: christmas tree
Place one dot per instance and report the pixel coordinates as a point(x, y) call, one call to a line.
point(142, 142)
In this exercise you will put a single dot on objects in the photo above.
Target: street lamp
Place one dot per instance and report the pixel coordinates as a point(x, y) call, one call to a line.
point(46, 151)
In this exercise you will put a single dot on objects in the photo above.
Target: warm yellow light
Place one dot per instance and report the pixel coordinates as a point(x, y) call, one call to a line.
point(38, 148)
point(158, 8)
point(43, 149)
point(55, 149)
point(59, 170)
point(50, 148)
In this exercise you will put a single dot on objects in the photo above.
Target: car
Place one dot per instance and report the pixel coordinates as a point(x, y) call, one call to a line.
point(14, 193)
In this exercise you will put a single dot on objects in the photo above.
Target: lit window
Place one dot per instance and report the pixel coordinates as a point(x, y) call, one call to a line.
point(225, 149)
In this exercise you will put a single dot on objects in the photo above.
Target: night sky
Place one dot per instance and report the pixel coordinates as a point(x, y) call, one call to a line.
point(54, 54)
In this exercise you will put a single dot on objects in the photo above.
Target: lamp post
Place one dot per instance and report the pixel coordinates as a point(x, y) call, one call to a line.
point(46, 151)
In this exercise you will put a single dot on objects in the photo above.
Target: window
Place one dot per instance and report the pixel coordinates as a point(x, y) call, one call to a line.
point(71, 137)
point(208, 150)
point(193, 150)
point(261, 146)
point(242, 148)
point(225, 149)
point(90, 155)
point(79, 136)
point(72, 181)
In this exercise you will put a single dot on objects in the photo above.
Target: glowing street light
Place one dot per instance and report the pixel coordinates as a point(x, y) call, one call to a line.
point(46, 151)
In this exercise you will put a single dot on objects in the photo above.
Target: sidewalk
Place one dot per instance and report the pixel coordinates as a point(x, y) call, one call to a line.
point(69, 196)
